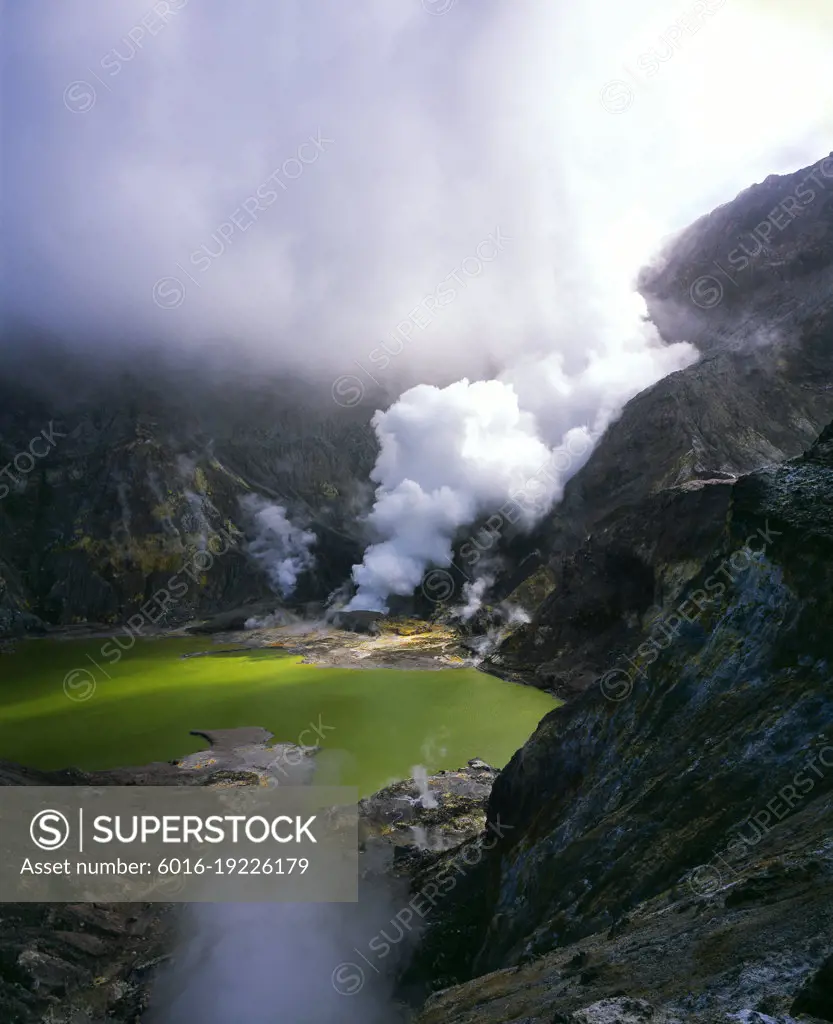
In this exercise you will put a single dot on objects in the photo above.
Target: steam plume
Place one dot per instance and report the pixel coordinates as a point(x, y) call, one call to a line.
point(281, 549)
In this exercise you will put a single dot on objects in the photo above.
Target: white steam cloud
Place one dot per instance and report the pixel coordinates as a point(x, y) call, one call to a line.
point(279, 547)
point(473, 594)
point(446, 456)
point(260, 963)
point(451, 455)
point(599, 212)
point(296, 180)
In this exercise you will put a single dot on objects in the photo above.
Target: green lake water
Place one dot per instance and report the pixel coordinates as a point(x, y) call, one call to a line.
point(62, 704)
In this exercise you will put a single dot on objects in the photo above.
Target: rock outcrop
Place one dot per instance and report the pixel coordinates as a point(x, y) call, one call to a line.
point(665, 836)
point(430, 815)
point(96, 963)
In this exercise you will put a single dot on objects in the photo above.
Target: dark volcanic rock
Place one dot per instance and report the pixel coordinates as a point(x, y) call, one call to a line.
point(699, 777)
point(611, 586)
point(91, 963)
point(148, 472)
point(750, 265)
point(760, 393)
point(358, 621)
point(436, 813)
point(816, 997)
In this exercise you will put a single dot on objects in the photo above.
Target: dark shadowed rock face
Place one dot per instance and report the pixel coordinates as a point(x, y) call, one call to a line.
point(358, 621)
point(761, 393)
point(146, 472)
point(816, 997)
point(748, 268)
point(608, 588)
point(675, 804)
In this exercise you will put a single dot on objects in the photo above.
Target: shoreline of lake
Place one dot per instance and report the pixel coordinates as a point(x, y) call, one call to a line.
point(62, 703)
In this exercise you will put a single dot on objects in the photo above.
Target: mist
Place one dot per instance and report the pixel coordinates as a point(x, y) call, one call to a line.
point(279, 547)
point(387, 195)
point(262, 963)
point(382, 146)
point(442, 200)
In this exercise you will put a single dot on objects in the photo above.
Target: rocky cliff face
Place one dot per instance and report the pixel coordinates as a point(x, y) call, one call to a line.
point(677, 804)
point(116, 486)
point(752, 269)
point(761, 393)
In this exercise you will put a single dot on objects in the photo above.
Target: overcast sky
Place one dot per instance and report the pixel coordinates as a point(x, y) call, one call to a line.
point(140, 139)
